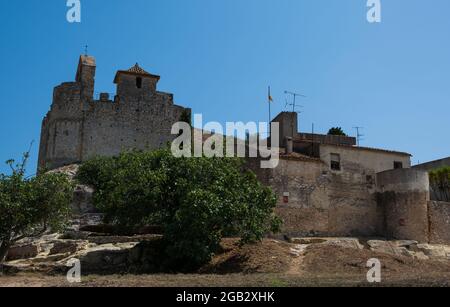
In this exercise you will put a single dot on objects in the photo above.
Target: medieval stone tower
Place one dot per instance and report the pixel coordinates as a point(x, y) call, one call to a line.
point(80, 126)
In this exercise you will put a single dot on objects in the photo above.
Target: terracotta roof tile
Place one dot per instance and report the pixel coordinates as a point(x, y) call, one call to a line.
point(135, 70)
point(138, 70)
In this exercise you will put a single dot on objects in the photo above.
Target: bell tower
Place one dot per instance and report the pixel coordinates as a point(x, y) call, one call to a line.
point(135, 83)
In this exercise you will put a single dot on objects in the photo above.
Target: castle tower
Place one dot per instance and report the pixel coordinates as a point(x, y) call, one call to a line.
point(86, 77)
point(78, 127)
point(135, 83)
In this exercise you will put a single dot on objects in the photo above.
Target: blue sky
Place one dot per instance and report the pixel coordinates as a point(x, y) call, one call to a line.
point(219, 56)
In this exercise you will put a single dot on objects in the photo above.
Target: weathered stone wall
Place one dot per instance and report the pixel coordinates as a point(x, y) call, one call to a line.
point(439, 218)
point(353, 207)
point(78, 127)
point(110, 128)
point(403, 196)
point(321, 202)
point(353, 159)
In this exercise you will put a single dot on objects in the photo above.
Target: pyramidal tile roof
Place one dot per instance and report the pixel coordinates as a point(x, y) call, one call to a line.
point(138, 70)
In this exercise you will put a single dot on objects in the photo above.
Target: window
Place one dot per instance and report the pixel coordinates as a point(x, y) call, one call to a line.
point(139, 82)
point(286, 197)
point(398, 165)
point(335, 162)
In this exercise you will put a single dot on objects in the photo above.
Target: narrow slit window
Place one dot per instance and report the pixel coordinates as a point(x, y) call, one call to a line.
point(335, 162)
point(139, 82)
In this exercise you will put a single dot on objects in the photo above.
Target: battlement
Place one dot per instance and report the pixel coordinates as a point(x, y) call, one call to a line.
point(80, 126)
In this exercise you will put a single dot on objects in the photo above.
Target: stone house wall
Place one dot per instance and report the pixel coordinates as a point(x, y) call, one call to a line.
point(355, 159)
point(312, 200)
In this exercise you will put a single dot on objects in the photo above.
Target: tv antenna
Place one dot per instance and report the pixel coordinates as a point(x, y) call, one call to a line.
point(359, 135)
point(294, 104)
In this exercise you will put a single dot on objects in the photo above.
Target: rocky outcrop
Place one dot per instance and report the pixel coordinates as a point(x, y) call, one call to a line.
point(406, 248)
point(24, 251)
point(96, 252)
point(107, 254)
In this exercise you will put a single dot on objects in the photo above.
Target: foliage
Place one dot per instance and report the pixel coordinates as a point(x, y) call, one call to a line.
point(440, 182)
point(30, 207)
point(337, 131)
point(197, 201)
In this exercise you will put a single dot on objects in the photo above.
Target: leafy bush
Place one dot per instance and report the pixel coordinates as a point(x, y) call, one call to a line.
point(30, 207)
point(197, 201)
point(440, 183)
point(337, 131)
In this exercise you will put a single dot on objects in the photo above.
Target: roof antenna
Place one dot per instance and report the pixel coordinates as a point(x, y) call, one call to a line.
point(359, 135)
point(294, 107)
point(86, 50)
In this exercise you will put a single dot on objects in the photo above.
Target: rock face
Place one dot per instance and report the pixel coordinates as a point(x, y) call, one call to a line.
point(108, 254)
point(69, 170)
point(82, 196)
point(97, 253)
point(406, 248)
point(106, 257)
point(387, 247)
point(82, 200)
point(23, 252)
point(67, 247)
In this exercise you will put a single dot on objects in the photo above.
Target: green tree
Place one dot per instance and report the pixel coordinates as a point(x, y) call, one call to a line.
point(440, 182)
point(31, 206)
point(337, 131)
point(197, 201)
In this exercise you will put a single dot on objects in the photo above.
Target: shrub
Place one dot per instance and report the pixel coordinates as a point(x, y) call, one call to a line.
point(197, 201)
point(440, 182)
point(30, 207)
point(337, 131)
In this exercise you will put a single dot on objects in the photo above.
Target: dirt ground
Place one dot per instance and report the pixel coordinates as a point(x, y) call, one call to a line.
point(270, 264)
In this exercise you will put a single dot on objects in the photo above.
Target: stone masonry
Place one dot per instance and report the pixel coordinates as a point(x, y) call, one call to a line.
point(79, 127)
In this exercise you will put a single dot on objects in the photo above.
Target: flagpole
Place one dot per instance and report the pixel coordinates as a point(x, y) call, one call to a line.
point(270, 115)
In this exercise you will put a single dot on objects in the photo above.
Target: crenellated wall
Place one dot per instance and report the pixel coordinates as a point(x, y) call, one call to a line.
point(78, 128)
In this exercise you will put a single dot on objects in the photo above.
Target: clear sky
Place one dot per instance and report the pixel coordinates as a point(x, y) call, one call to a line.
point(219, 56)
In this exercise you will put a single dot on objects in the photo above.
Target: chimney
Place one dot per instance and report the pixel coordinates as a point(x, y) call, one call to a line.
point(289, 145)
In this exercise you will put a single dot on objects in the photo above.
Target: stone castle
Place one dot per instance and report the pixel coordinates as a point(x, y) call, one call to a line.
point(326, 185)
point(79, 127)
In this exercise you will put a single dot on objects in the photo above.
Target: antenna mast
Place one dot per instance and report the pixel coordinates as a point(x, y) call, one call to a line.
point(294, 106)
point(359, 135)
point(294, 103)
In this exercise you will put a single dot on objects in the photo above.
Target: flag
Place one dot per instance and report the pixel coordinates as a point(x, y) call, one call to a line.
point(270, 96)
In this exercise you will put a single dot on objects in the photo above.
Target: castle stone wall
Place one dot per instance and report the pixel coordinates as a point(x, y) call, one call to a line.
point(404, 195)
point(78, 128)
point(439, 218)
point(312, 200)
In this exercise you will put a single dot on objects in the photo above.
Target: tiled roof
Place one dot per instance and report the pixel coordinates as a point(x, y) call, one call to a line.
point(297, 156)
point(371, 149)
point(135, 70)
